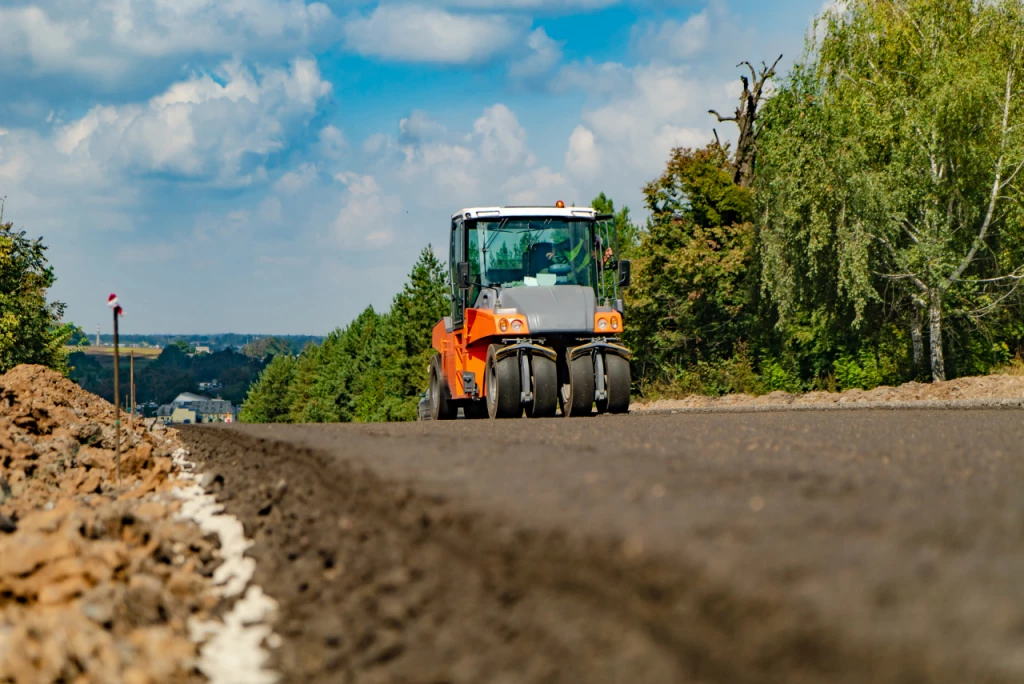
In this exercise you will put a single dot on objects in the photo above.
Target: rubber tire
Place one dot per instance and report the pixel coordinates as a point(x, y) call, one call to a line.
point(580, 400)
point(475, 409)
point(617, 382)
point(503, 385)
point(440, 408)
point(545, 387)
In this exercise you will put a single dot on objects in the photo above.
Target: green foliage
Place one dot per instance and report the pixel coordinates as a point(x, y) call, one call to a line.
point(173, 372)
point(777, 376)
point(714, 378)
point(372, 370)
point(78, 338)
point(182, 345)
point(267, 347)
point(266, 401)
point(31, 329)
point(884, 169)
point(859, 371)
point(694, 292)
point(628, 232)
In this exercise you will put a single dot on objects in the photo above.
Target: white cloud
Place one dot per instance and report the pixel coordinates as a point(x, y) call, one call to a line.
point(819, 23)
point(583, 158)
point(596, 78)
point(368, 217)
point(639, 127)
point(543, 56)
point(672, 40)
point(419, 126)
point(413, 33)
point(292, 182)
point(332, 142)
point(539, 186)
point(502, 139)
point(440, 172)
point(107, 39)
point(215, 129)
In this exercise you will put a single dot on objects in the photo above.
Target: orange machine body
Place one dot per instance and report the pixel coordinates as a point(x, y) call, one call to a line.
point(465, 349)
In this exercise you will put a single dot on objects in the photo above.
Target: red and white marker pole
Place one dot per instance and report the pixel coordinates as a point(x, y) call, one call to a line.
point(118, 312)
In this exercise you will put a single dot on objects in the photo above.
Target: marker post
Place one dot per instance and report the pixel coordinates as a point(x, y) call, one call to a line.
point(113, 304)
point(131, 406)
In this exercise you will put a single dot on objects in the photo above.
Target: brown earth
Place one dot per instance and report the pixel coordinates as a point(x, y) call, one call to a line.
point(97, 578)
point(838, 547)
point(990, 387)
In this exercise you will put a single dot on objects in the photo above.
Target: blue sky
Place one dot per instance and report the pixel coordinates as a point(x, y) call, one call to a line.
point(275, 166)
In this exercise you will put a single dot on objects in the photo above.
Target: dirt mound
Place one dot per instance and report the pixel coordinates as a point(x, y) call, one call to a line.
point(990, 387)
point(97, 577)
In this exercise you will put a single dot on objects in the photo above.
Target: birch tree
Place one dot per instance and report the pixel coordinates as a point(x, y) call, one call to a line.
point(893, 163)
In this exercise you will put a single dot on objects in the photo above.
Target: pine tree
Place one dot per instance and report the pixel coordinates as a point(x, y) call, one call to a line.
point(267, 401)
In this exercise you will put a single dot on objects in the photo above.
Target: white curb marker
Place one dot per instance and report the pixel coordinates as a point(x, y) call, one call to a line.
point(231, 651)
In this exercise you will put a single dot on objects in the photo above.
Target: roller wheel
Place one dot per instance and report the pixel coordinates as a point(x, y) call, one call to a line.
point(616, 384)
point(440, 407)
point(577, 395)
point(475, 409)
point(503, 392)
point(545, 388)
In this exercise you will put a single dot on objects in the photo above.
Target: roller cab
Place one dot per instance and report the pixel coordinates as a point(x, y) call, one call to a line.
point(536, 316)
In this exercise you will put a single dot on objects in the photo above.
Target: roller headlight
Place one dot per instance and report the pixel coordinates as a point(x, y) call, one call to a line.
point(517, 326)
point(602, 324)
point(615, 324)
point(503, 325)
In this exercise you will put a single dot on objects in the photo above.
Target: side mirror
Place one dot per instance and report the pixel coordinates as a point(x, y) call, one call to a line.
point(625, 275)
point(462, 277)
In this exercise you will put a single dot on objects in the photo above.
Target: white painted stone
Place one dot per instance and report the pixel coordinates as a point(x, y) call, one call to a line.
point(232, 651)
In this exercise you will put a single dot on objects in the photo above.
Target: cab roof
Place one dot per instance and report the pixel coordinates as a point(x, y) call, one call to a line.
point(526, 212)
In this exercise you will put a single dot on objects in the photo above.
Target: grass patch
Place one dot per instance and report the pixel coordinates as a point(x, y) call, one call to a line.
point(1014, 367)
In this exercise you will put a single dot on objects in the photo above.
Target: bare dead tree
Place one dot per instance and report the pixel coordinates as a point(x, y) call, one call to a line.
point(746, 118)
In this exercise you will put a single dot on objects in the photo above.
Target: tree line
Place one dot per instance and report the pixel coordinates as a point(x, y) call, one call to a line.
point(371, 370)
point(174, 371)
point(866, 229)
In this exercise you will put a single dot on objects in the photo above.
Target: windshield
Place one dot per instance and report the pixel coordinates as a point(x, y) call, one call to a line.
point(535, 251)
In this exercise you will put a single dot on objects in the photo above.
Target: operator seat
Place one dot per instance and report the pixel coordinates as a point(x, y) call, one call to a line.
point(536, 258)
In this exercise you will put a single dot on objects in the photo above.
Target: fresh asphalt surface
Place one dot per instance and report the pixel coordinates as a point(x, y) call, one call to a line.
point(860, 546)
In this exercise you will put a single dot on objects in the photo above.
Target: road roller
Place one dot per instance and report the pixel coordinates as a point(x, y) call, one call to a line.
point(536, 316)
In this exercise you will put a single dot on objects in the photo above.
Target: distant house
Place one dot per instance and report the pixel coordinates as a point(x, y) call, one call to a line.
point(195, 408)
point(212, 386)
point(202, 349)
point(184, 416)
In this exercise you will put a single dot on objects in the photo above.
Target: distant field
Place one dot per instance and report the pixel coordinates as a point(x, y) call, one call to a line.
point(109, 351)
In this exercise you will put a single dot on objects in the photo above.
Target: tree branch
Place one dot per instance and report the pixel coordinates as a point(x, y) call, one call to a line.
point(996, 186)
point(980, 313)
point(723, 118)
point(753, 74)
point(1016, 275)
point(910, 233)
point(913, 278)
point(1013, 175)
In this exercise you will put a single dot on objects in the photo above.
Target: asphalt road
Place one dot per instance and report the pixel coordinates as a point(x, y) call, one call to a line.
point(764, 547)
